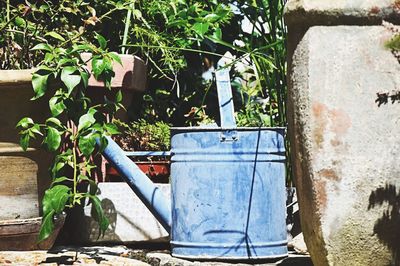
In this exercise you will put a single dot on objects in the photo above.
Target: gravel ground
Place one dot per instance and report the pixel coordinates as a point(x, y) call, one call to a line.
point(123, 255)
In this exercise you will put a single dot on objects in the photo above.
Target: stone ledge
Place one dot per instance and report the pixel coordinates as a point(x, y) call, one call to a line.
point(309, 13)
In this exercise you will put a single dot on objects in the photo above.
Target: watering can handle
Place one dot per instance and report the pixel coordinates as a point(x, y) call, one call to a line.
point(225, 99)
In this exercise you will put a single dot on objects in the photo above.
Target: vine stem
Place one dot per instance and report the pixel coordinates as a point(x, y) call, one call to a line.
point(74, 162)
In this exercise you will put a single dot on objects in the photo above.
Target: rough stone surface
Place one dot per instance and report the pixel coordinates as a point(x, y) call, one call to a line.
point(122, 255)
point(339, 12)
point(112, 256)
point(346, 145)
point(130, 220)
point(298, 244)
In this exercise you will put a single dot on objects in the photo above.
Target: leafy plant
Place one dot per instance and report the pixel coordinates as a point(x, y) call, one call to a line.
point(75, 122)
point(24, 24)
point(144, 136)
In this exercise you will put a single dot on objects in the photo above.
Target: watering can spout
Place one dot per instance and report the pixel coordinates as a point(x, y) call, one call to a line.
point(144, 188)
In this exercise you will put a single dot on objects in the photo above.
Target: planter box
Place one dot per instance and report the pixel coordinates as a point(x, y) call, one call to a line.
point(131, 75)
point(157, 171)
point(130, 220)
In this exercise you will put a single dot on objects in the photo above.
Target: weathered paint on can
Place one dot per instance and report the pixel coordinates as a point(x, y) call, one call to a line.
point(228, 199)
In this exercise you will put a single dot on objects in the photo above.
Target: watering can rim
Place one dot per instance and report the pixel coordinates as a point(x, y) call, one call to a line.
point(208, 128)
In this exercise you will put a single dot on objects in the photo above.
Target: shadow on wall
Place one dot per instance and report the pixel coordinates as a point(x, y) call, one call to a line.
point(387, 228)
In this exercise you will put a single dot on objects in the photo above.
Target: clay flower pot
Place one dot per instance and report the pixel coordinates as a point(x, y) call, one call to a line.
point(22, 234)
point(24, 174)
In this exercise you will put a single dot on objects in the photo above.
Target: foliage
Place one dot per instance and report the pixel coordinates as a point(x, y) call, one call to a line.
point(171, 36)
point(184, 39)
point(24, 24)
point(75, 122)
point(144, 136)
point(262, 53)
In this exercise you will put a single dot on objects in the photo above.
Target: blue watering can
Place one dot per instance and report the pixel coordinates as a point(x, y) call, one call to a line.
point(227, 186)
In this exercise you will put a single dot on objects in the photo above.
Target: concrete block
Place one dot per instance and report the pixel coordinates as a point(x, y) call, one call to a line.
point(130, 220)
point(345, 145)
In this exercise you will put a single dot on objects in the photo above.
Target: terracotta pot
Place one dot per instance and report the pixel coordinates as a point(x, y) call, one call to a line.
point(22, 234)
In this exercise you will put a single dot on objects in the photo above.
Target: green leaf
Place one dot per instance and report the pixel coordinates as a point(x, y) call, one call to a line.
point(115, 57)
point(43, 47)
point(39, 84)
point(103, 143)
point(212, 17)
point(47, 227)
point(55, 199)
point(25, 122)
point(87, 144)
point(53, 121)
point(56, 106)
point(201, 28)
point(61, 179)
point(111, 128)
point(86, 120)
point(85, 77)
point(36, 129)
point(177, 23)
point(118, 96)
point(97, 67)
point(102, 41)
point(48, 57)
point(98, 214)
point(82, 48)
point(57, 167)
point(20, 22)
point(217, 34)
point(52, 139)
point(69, 79)
point(55, 35)
point(24, 141)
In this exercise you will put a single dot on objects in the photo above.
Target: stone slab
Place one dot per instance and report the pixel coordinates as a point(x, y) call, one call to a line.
point(342, 12)
point(345, 144)
point(130, 220)
point(122, 255)
point(111, 256)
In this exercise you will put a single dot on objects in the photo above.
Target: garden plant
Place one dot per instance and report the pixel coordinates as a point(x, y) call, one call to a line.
point(180, 40)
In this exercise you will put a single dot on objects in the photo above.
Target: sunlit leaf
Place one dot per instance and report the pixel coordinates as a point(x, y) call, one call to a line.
point(52, 139)
point(86, 120)
point(43, 47)
point(115, 57)
point(25, 122)
point(87, 144)
point(201, 28)
point(55, 35)
point(69, 79)
point(56, 105)
point(102, 41)
point(39, 84)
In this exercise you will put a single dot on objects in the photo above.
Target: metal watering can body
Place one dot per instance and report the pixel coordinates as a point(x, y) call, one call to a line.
point(227, 187)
